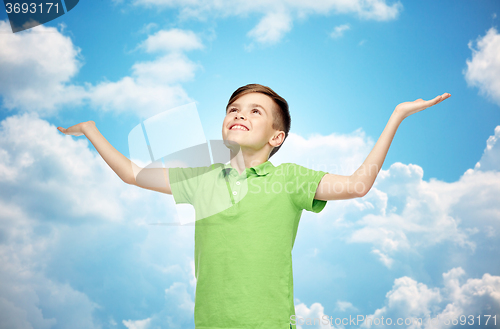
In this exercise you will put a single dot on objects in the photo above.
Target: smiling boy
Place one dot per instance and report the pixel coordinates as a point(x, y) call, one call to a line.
point(243, 261)
point(248, 210)
point(258, 120)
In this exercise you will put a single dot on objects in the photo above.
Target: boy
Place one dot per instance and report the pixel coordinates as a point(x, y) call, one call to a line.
point(248, 210)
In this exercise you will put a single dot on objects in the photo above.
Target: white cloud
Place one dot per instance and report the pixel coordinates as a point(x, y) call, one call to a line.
point(28, 298)
point(404, 217)
point(137, 324)
point(148, 27)
point(168, 69)
point(177, 311)
point(338, 31)
point(173, 40)
point(154, 85)
point(402, 213)
point(490, 160)
point(379, 10)
point(313, 317)
point(129, 95)
point(349, 151)
point(414, 214)
point(183, 301)
point(36, 66)
point(278, 15)
point(483, 70)
point(34, 148)
point(271, 28)
point(417, 213)
point(64, 215)
point(417, 303)
point(343, 306)
point(386, 260)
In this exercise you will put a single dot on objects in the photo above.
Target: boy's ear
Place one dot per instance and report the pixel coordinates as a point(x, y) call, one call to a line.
point(277, 139)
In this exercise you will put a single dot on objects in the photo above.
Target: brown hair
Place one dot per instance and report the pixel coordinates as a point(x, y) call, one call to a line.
point(281, 116)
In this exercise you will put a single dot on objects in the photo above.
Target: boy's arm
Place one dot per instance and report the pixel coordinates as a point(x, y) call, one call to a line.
point(338, 187)
point(155, 179)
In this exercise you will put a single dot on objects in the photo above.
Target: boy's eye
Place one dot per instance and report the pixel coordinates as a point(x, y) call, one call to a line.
point(235, 109)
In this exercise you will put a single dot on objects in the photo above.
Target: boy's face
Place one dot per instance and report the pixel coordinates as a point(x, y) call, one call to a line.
point(254, 112)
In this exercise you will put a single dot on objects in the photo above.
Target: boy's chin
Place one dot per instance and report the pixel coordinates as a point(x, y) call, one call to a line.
point(231, 144)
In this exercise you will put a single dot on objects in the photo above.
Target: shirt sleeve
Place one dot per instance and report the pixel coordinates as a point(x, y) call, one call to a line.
point(184, 182)
point(301, 185)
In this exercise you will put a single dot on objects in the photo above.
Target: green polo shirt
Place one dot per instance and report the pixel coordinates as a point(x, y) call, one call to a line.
point(244, 234)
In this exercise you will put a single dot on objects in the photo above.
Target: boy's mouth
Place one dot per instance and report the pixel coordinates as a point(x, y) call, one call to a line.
point(238, 126)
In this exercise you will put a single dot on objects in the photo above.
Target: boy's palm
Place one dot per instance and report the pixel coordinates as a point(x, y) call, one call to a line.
point(408, 108)
point(76, 130)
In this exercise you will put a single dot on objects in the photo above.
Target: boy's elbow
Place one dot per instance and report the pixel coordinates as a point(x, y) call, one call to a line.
point(361, 189)
point(362, 193)
point(130, 176)
point(130, 180)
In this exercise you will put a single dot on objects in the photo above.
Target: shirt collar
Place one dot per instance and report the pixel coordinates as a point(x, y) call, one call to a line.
point(259, 170)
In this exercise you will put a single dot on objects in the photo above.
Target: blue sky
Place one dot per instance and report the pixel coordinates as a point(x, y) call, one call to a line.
point(75, 241)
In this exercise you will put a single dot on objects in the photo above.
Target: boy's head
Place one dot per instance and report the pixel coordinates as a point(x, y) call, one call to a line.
point(281, 119)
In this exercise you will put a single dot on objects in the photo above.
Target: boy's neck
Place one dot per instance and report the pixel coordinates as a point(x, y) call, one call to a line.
point(244, 160)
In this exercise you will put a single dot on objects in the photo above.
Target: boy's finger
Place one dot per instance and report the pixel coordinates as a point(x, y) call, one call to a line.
point(441, 98)
point(434, 101)
point(444, 96)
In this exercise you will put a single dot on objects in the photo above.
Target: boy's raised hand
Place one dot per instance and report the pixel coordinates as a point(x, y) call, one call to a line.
point(408, 108)
point(76, 130)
